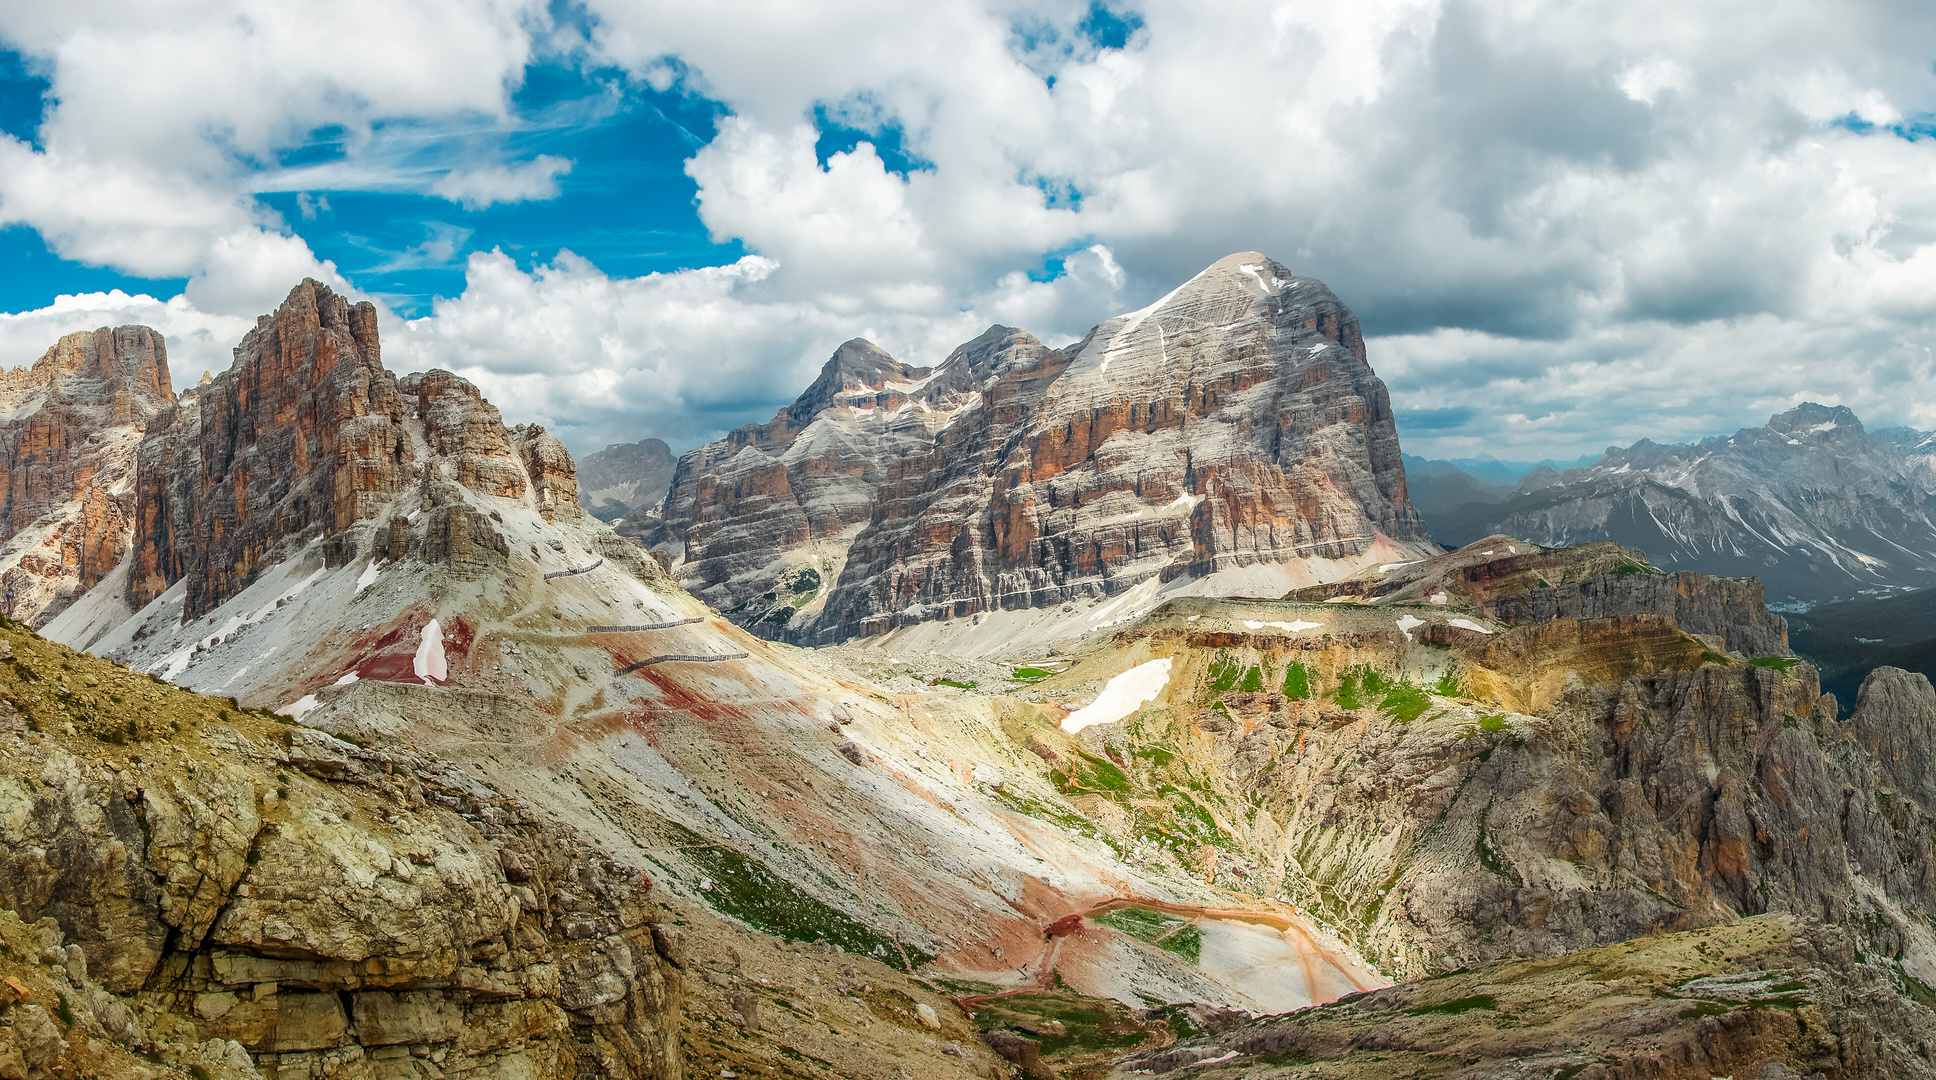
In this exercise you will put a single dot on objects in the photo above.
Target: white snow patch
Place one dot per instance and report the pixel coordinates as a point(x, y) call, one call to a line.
point(1187, 500)
point(1231, 1056)
point(1830, 426)
point(1123, 695)
point(1468, 624)
point(1290, 627)
point(430, 663)
point(348, 678)
point(368, 577)
point(295, 709)
point(1408, 623)
point(1390, 566)
point(1438, 598)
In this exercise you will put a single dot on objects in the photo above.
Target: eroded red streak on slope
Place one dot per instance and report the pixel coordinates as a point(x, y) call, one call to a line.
point(392, 655)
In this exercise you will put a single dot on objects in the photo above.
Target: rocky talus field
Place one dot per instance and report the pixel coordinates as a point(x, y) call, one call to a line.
point(377, 755)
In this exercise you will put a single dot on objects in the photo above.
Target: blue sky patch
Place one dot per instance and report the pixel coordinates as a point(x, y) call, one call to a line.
point(1108, 28)
point(840, 135)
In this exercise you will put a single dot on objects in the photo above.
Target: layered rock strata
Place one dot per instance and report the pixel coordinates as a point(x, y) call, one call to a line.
point(1231, 424)
point(69, 428)
point(301, 437)
point(212, 877)
point(1772, 998)
point(307, 435)
point(1516, 583)
point(1447, 789)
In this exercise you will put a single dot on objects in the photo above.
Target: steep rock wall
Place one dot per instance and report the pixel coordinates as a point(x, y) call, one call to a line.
point(69, 428)
point(1234, 422)
point(301, 437)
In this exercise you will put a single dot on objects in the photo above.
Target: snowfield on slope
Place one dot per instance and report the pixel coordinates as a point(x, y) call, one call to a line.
point(1122, 696)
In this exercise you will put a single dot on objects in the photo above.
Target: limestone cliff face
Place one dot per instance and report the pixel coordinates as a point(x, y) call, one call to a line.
point(210, 877)
point(301, 437)
point(1235, 422)
point(69, 427)
point(308, 434)
point(1447, 788)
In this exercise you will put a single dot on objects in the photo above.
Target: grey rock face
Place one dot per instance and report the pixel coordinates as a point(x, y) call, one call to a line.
point(1812, 504)
point(1231, 423)
point(1732, 610)
point(625, 479)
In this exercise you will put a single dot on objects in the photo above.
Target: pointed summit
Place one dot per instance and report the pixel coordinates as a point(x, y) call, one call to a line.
point(1228, 436)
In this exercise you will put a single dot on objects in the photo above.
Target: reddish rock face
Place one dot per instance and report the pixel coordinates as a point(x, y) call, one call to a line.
point(69, 427)
point(1233, 422)
point(301, 437)
point(308, 434)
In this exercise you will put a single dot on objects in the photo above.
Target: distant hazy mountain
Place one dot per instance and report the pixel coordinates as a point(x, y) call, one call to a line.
point(625, 478)
point(1451, 491)
point(1813, 504)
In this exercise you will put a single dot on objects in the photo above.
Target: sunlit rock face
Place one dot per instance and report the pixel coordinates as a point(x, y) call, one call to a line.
point(1235, 422)
point(69, 428)
point(303, 435)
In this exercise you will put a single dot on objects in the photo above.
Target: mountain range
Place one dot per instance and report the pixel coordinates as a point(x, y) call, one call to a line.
point(1228, 438)
point(351, 744)
point(1813, 504)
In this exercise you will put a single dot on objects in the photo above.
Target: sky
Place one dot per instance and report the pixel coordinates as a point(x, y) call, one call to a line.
point(1562, 225)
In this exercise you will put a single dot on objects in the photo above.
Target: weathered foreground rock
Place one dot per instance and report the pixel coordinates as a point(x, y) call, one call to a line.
point(1233, 424)
point(213, 874)
point(1772, 998)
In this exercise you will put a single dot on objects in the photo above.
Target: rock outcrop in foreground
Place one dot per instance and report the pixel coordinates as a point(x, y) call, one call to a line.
point(69, 428)
point(1769, 998)
point(1233, 424)
point(231, 894)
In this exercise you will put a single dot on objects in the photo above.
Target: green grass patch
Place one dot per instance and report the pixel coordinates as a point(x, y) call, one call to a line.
point(1297, 682)
point(1456, 1006)
point(1635, 568)
point(1225, 672)
point(1705, 1008)
point(1778, 663)
point(1348, 690)
point(969, 685)
point(1179, 936)
point(1155, 755)
point(1448, 686)
point(1709, 656)
point(1068, 1025)
point(751, 892)
point(1492, 722)
point(1029, 673)
point(1093, 774)
point(1253, 681)
point(1490, 859)
point(1404, 702)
